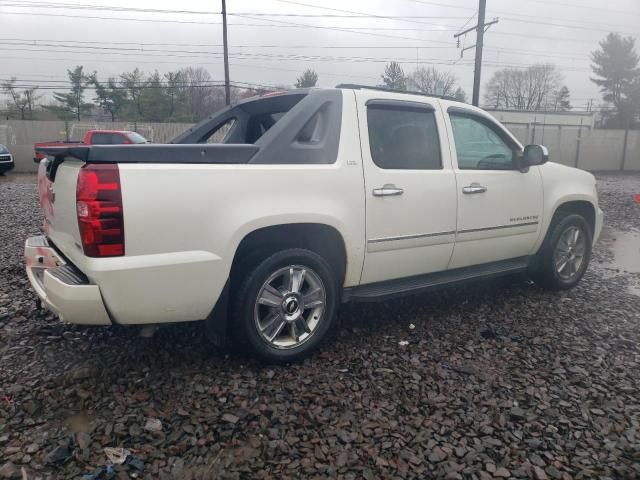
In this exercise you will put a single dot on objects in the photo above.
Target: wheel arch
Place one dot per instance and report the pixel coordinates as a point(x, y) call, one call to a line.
point(579, 204)
point(582, 207)
point(321, 238)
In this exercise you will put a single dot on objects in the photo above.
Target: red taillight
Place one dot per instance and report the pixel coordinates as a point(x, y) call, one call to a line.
point(99, 209)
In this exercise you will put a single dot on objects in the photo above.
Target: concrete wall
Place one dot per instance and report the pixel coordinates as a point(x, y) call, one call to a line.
point(584, 147)
point(19, 136)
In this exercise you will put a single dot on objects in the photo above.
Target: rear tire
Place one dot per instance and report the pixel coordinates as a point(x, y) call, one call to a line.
point(564, 255)
point(285, 306)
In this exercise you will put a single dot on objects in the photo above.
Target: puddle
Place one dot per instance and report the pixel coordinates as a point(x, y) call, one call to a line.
point(624, 256)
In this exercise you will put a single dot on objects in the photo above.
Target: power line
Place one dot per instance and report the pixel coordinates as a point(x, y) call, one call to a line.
point(91, 17)
point(511, 16)
point(76, 6)
point(280, 23)
point(586, 7)
point(133, 52)
point(362, 14)
point(36, 42)
point(574, 6)
point(347, 30)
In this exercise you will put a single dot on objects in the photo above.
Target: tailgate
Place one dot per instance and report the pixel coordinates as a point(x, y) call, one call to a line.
point(58, 205)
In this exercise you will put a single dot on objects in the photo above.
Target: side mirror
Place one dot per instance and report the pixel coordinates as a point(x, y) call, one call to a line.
point(534, 155)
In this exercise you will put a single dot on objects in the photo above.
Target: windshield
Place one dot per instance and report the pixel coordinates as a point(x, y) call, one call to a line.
point(3, 149)
point(136, 138)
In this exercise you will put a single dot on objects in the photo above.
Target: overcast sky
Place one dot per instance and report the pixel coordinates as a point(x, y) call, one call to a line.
point(273, 41)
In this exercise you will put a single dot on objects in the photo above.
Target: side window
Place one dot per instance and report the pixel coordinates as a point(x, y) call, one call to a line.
point(403, 138)
point(118, 139)
point(101, 139)
point(220, 134)
point(478, 146)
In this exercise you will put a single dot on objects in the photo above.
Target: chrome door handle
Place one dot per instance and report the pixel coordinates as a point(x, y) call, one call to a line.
point(474, 188)
point(387, 190)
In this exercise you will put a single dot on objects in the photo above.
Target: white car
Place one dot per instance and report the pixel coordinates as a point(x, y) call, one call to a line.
point(313, 197)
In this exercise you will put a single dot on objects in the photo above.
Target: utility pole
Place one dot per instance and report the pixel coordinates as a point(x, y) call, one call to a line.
point(479, 44)
point(227, 86)
point(480, 29)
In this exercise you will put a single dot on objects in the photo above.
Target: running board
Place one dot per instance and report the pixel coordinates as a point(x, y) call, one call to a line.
point(420, 283)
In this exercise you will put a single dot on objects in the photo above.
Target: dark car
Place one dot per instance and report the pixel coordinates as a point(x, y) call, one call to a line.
point(6, 160)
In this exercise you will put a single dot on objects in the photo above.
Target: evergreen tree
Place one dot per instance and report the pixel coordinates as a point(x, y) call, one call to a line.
point(72, 104)
point(308, 79)
point(562, 100)
point(615, 65)
point(394, 77)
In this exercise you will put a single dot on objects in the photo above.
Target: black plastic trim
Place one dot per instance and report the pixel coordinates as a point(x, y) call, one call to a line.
point(402, 104)
point(69, 275)
point(420, 283)
point(217, 323)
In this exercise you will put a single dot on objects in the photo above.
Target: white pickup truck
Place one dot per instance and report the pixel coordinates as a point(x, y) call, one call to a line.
point(310, 198)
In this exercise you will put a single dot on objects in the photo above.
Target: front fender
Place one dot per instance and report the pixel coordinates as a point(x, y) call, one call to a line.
point(563, 185)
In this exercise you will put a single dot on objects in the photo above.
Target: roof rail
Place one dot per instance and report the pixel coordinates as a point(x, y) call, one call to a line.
point(355, 86)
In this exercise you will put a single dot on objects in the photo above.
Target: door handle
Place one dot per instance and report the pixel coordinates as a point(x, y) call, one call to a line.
point(474, 188)
point(387, 190)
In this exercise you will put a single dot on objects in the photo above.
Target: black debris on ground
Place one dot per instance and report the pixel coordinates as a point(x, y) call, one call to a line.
point(498, 380)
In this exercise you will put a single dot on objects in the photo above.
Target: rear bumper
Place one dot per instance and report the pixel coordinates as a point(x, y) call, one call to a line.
point(61, 287)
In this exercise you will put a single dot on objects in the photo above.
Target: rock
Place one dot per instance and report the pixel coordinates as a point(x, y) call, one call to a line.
point(32, 448)
point(437, 455)
point(83, 439)
point(597, 411)
point(153, 425)
point(536, 460)
point(231, 418)
point(539, 474)
point(502, 472)
point(57, 455)
point(9, 470)
point(516, 413)
point(553, 472)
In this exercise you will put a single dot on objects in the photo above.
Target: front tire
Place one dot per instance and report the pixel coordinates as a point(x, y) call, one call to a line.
point(286, 306)
point(564, 255)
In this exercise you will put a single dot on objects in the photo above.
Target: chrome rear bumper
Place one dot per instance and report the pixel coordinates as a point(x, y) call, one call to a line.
point(61, 287)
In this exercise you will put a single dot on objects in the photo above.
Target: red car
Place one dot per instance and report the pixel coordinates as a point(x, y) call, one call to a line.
point(96, 137)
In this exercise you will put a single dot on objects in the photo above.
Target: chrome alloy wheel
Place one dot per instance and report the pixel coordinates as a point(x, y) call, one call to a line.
point(289, 306)
point(569, 253)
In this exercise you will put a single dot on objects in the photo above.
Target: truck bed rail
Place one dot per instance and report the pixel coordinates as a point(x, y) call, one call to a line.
point(162, 153)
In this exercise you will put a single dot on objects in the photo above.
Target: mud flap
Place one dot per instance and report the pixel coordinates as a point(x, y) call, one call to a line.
point(216, 325)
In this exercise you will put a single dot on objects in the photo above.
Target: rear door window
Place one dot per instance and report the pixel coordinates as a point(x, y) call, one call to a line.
point(403, 138)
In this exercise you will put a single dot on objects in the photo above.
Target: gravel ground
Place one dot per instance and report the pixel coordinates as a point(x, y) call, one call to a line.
point(497, 380)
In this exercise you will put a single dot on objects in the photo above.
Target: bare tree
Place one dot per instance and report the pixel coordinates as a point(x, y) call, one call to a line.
point(18, 98)
point(433, 81)
point(530, 89)
point(201, 94)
